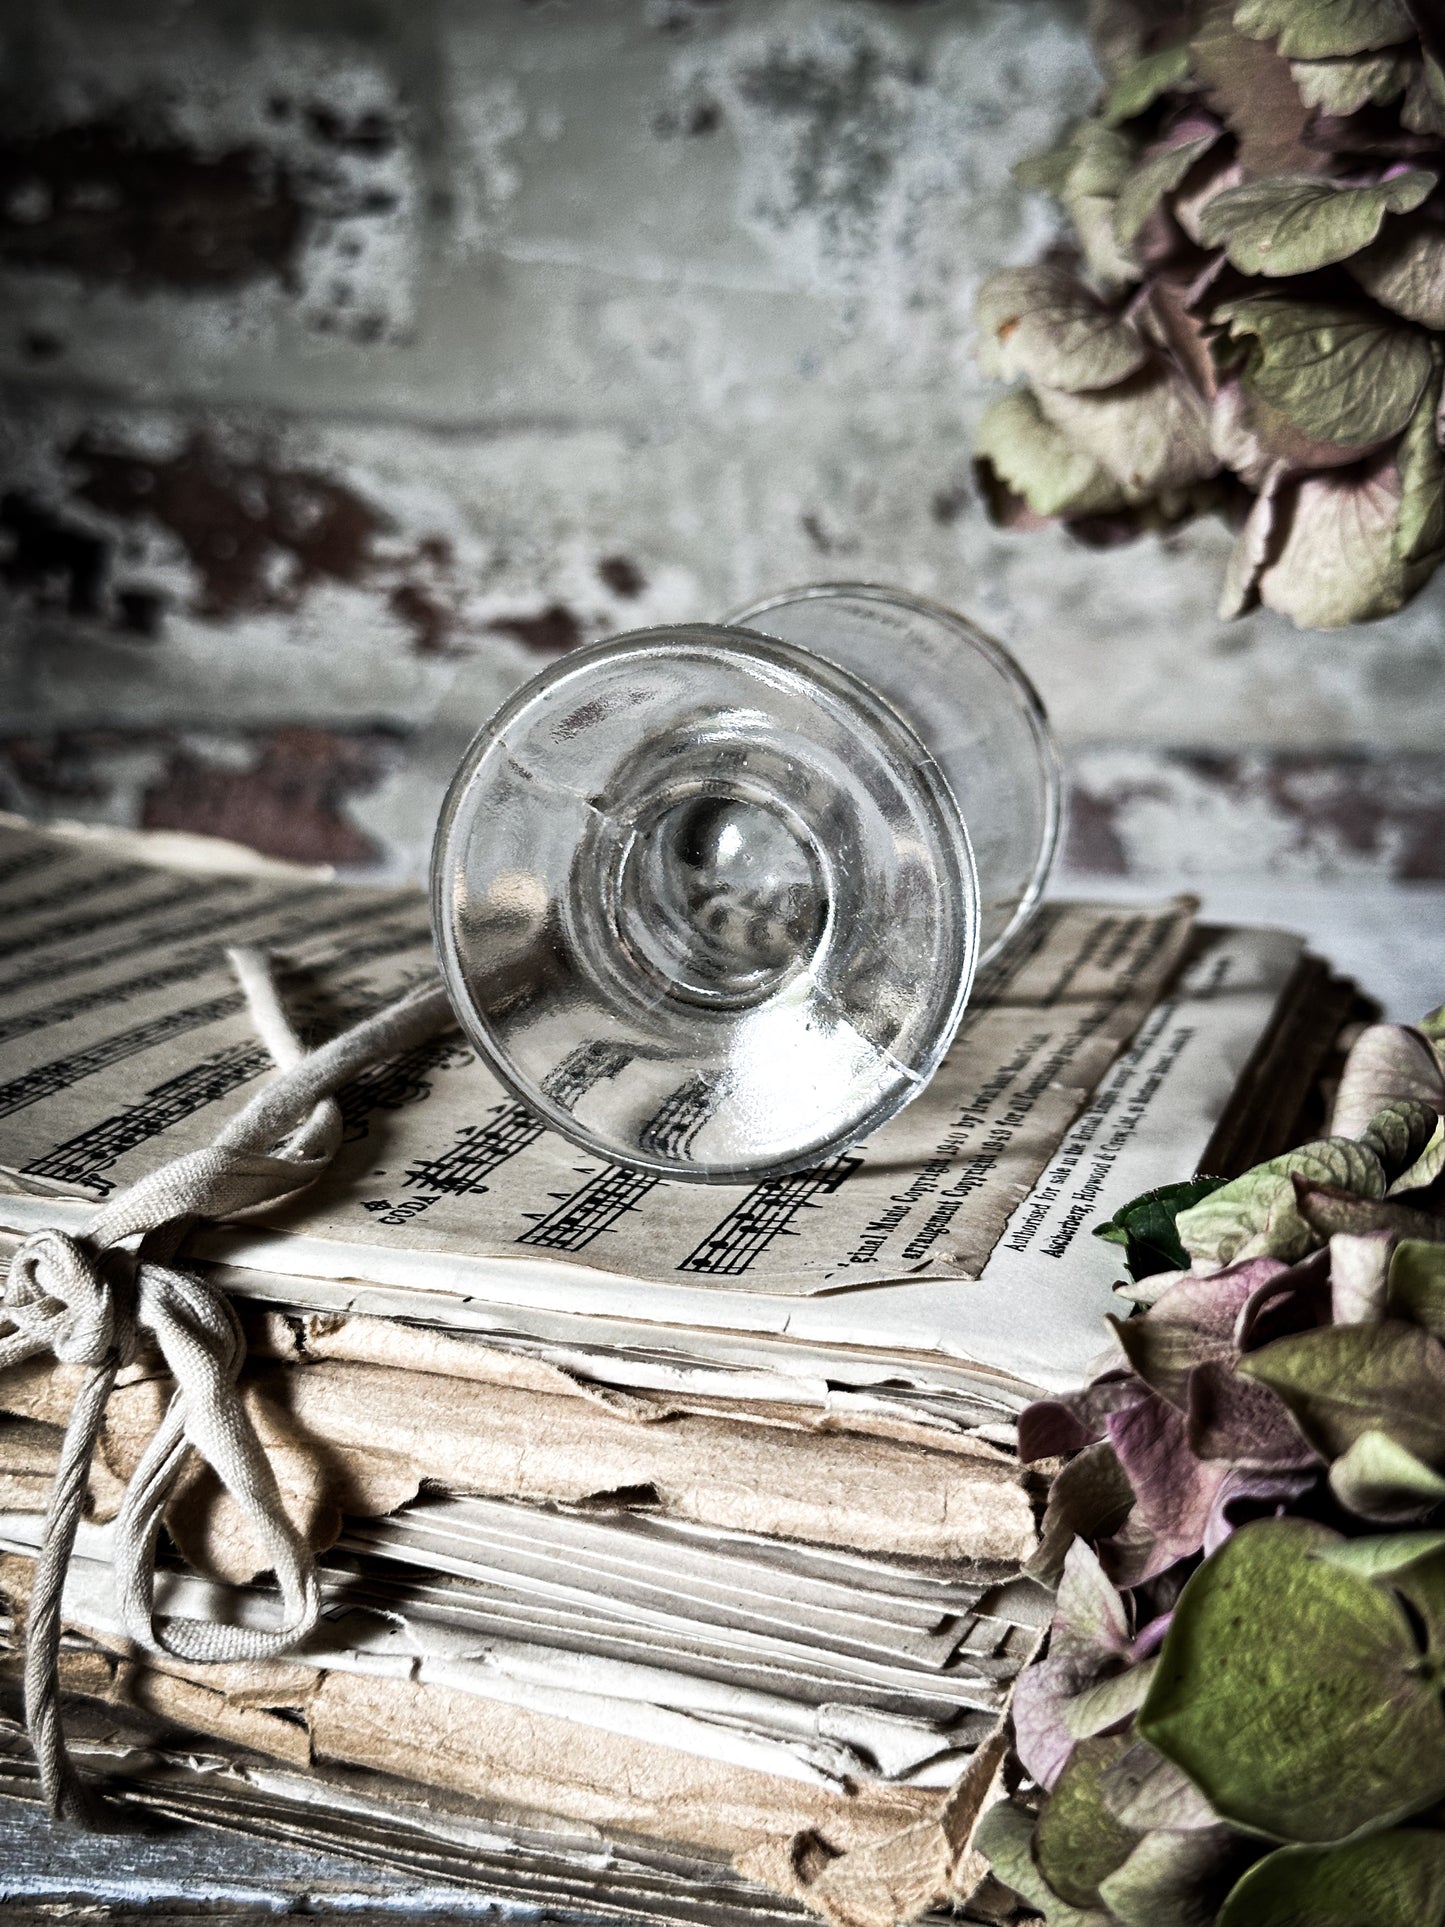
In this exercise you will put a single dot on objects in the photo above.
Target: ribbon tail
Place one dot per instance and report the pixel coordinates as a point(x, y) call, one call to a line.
point(66, 1794)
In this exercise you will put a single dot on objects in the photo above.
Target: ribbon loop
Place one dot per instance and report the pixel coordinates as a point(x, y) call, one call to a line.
point(82, 1301)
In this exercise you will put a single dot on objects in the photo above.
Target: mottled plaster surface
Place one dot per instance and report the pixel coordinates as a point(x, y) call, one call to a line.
point(348, 347)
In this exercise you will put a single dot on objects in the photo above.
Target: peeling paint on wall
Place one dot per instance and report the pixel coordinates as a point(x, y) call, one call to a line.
point(347, 349)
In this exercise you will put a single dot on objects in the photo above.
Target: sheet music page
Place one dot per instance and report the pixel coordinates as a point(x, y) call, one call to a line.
point(124, 1040)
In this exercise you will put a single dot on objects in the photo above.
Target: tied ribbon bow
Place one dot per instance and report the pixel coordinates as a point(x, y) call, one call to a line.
point(88, 1299)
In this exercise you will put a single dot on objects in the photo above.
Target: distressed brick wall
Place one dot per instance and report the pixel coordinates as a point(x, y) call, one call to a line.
point(360, 357)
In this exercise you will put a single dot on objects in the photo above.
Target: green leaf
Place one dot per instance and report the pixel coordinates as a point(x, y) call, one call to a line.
point(1041, 322)
point(1158, 174)
point(1141, 84)
point(1420, 531)
point(1255, 1216)
point(1078, 1842)
point(1382, 1554)
point(1393, 1879)
point(1339, 374)
point(1322, 29)
point(1146, 1226)
point(1417, 1285)
point(1289, 1691)
point(1336, 562)
point(1293, 224)
point(1359, 80)
point(1174, 1879)
point(1040, 464)
point(1405, 271)
point(1005, 1839)
point(1379, 1480)
point(1386, 1062)
point(1399, 1132)
point(1150, 432)
point(1342, 1381)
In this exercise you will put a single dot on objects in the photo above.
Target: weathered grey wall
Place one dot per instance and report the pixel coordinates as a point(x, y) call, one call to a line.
point(350, 345)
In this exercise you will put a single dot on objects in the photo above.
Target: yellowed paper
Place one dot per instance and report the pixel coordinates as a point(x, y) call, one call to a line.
point(125, 1042)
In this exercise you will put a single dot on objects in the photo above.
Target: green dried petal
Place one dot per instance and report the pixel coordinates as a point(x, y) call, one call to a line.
point(1398, 1133)
point(1416, 1288)
point(1405, 271)
point(1249, 84)
point(1047, 173)
point(1394, 1879)
point(1174, 1879)
point(1340, 375)
point(1255, 1216)
point(1424, 109)
point(1320, 29)
point(1420, 531)
point(1005, 1839)
point(1150, 432)
point(1337, 563)
point(1361, 80)
point(1342, 1381)
point(1108, 1701)
point(1044, 324)
point(1078, 1842)
point(1426, 1168)
point(1383, 1554)
point(1156, 175)
point(1141, 84)
point(1040, 464)
point(1150, 1794)
point(1290, 1691)
point(1293, 224)
point(1103, 160)
point(1381, 1480)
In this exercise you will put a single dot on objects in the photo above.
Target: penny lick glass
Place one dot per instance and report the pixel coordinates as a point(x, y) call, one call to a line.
point(710, 898)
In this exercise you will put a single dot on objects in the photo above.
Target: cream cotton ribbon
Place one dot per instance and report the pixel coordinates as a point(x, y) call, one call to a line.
point(88, 1299)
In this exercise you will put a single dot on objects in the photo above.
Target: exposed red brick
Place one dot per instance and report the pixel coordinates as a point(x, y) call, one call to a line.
point(290, 803)
point(236, 519)
point(551, 632)
point(104, 201)
point(430, 622)
point(622, 576)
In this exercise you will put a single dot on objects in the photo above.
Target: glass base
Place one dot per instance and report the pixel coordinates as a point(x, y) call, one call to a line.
point(706, 903)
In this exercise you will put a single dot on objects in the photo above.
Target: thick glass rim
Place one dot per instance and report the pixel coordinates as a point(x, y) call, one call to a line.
point(1002, 659)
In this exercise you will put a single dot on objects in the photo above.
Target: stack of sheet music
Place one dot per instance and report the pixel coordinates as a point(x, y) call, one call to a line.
point(672, 1534)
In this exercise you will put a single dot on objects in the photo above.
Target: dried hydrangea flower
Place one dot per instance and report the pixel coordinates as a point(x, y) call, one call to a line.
point(1250, 316)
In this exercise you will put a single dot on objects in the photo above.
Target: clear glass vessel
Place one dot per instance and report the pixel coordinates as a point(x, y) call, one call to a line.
point(710, 898)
